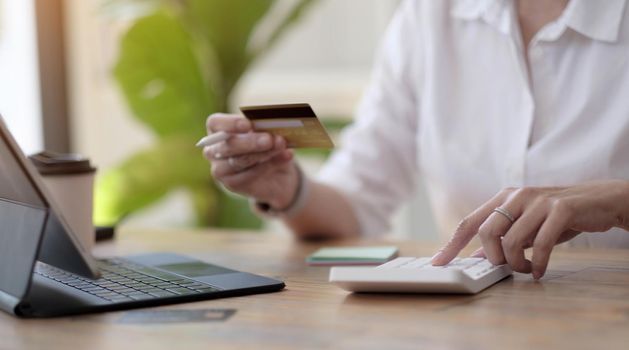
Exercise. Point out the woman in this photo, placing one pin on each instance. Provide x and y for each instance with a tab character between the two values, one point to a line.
474	96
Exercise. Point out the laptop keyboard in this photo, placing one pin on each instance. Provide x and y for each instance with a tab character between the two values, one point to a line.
122	280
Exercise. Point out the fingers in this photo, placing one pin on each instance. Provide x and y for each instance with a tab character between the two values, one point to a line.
504	241
478	253
243	181
531	217
243	144
490	233
233	165
520	236
546	239
467	229
566	236
233	162
231	123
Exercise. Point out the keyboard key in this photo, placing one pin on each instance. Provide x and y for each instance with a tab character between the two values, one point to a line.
134	284
118	287
100	282
69	280
122	281
145	287
178	281
196	285
162	276
162	293
151	280
104	293
416	264
480	269
107	295
117	279
395	263
187	282
465	262
141	297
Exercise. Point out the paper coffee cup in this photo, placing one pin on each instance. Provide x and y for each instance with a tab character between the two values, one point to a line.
70	180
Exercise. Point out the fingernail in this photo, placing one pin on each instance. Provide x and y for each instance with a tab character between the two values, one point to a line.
287	154
242	125
478	254
279	141
436	256
537	275
264	141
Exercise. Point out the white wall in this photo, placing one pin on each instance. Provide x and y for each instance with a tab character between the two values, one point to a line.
325	60
19	73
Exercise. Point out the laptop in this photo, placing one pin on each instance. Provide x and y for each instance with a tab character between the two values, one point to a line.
45	271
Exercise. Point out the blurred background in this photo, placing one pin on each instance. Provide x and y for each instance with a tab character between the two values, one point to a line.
129	84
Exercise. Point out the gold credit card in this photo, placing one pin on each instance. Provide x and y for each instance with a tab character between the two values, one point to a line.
297	123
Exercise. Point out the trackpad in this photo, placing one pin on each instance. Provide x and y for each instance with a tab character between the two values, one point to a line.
194	269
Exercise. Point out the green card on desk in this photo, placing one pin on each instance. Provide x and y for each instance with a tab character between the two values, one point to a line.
352	256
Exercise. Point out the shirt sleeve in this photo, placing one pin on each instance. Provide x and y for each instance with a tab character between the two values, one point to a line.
376	165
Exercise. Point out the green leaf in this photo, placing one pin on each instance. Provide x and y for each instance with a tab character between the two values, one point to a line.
227	26
177	65
205	203
160	77
335	123
291	18
234	212
149	175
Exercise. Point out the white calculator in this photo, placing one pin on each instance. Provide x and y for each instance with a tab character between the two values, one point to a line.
417	275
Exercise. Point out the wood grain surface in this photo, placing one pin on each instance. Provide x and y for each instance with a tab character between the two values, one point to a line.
582	303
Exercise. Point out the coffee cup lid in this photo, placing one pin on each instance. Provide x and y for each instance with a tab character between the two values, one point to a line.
53	163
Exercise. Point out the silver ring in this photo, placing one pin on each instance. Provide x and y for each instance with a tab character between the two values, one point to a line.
237	165
232	162
505	213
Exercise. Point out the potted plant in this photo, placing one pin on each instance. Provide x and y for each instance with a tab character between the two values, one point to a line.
179	63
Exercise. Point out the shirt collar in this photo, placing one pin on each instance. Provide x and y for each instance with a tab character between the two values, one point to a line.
494	12
599	20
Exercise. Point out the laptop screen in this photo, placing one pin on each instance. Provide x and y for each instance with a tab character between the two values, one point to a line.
23	215
15	185
28	221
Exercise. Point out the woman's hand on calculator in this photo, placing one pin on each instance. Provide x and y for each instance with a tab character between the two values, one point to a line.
539	217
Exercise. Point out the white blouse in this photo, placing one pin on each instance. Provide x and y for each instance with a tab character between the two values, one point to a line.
451	102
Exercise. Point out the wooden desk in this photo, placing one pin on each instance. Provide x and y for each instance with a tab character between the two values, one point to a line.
582	303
